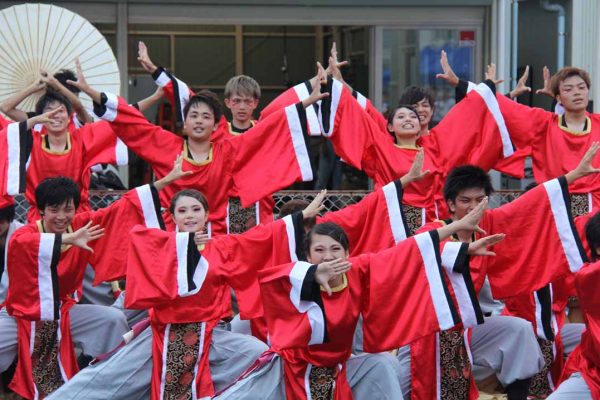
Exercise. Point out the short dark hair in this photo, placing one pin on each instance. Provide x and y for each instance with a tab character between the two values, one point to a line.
193	193
295	205
330	229
592	234
210	99
414	94
292	206
52	96
466	177
390	118
7	213
57	191
65	75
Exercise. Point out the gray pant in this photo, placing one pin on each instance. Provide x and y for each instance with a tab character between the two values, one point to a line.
133	316
573	388
94	329
371	376
127	374
571	336
505	346
101	295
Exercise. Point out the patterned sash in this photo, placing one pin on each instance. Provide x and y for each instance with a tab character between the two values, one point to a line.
580	204
181	360
47	376
455	367
241	219
414	217
540	384
322	383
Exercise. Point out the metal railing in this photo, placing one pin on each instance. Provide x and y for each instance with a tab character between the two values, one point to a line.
334	201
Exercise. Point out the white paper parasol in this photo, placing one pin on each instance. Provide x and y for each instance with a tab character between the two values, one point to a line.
41	36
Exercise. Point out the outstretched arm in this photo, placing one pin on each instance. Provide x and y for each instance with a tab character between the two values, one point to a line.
9	106
78	107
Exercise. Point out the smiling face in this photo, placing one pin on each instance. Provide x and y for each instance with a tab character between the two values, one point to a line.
60	120
199	122
57	218
404	123
189	214
325	248
425	112
573	94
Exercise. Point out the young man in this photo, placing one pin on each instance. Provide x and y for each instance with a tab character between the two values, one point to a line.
540	222
242	95
567	135
46	262
55	149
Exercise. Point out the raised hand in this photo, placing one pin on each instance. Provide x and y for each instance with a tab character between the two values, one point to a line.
330	269
547	89
480	247
521	85
490	73
37	85
201	238
585	166
315	206
144	58
316	94
334	66
470	222
176	173
83	236
44	118
448	74
415	173
81	83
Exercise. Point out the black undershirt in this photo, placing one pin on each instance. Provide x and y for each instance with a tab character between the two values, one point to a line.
563	123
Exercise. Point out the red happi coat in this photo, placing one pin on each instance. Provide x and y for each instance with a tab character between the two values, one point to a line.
586	357
181	284
513	165
178	93
258	163
310	329
544	217
544	133
373	224
359	140
546	308
45	275
29	160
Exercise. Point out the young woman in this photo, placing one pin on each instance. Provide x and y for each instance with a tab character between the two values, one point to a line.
183	278
360	141
312	309
46	262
